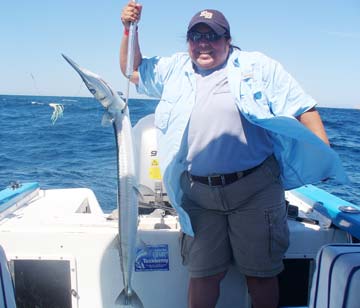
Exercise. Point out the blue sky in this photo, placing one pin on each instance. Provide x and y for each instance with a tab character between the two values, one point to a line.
317	41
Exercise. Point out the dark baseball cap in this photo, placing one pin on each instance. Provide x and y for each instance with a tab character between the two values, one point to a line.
213	18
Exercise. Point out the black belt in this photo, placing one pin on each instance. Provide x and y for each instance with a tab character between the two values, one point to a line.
222	179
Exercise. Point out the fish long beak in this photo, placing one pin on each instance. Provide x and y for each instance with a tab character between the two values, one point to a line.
97	86
85	75
72	63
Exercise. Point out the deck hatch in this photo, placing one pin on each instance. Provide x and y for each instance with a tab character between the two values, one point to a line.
44	283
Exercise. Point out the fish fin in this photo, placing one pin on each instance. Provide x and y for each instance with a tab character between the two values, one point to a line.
129	299
106	120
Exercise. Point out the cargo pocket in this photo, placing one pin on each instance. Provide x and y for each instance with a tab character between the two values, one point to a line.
185	243
278	232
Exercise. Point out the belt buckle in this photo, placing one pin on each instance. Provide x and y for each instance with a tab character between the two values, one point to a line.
210	182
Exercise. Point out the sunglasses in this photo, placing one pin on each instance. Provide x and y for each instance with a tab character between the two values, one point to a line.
197	36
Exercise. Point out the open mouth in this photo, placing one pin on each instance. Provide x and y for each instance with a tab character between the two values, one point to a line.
204	55
204	52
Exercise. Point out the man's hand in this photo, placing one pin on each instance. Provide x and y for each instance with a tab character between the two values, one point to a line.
131	13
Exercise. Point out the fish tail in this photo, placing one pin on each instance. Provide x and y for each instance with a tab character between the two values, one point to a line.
129	298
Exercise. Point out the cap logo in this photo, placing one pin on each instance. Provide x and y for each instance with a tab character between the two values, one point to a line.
206	14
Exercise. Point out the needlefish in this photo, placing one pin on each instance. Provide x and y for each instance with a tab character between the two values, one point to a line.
117	113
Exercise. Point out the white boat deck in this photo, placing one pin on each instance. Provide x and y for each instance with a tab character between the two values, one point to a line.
68	225
57	208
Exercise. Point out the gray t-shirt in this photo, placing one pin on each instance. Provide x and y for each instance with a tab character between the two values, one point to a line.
220	139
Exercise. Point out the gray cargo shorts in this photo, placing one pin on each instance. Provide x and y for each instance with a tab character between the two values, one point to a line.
243	223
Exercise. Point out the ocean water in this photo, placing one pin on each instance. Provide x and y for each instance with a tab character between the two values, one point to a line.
77	151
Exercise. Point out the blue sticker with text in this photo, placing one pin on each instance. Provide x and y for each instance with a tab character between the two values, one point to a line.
152	258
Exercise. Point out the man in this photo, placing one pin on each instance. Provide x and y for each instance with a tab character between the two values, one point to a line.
232	127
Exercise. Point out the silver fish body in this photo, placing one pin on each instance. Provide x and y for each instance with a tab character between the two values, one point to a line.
127	197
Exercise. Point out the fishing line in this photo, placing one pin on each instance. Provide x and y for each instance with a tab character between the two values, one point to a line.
35	84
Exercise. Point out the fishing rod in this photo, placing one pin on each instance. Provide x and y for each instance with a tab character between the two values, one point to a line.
130	57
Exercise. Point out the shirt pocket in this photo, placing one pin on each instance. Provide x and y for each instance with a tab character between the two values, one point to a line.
162	115
254	98
253	90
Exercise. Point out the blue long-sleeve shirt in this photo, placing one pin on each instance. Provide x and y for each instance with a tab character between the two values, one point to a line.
263	92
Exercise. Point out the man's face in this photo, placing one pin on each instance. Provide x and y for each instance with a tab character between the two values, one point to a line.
205	53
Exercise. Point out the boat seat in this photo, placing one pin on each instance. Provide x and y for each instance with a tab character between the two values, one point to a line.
7	295
336	281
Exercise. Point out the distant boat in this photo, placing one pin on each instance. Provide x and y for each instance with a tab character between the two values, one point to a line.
69	100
